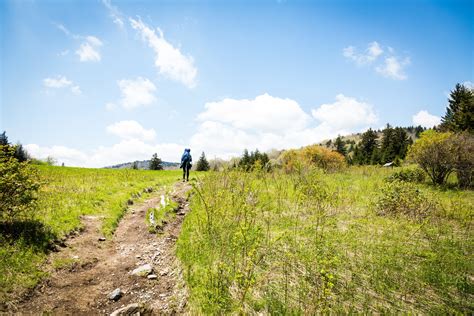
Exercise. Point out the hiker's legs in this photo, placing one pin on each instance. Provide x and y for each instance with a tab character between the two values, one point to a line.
187	173
184	173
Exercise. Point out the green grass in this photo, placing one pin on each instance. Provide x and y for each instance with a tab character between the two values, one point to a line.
314	242
65	195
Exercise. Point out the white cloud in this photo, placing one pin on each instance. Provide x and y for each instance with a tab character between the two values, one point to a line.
229	126
426	119
345	114
393	68
372	52
70	156
264	112
89	50
60	82
131	130
136	93
169	60
115	14
125	151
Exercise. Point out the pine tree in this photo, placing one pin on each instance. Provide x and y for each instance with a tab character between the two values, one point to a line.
244	162
156	163
340	146
460	111
4	139
20	153
367	147
135	165
202	164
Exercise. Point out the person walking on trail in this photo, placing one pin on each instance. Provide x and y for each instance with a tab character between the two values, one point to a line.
186	160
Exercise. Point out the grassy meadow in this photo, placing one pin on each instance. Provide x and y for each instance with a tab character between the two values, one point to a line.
310	242
65	195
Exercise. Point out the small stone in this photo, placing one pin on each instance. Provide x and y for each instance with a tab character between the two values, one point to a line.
152	276
143	270
164	272
115	295
101	238
75	257
137	256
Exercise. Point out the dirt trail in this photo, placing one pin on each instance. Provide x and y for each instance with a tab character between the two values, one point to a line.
93	269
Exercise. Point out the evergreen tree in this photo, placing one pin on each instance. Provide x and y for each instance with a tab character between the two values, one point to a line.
4	139
202	164
135	165
156	163
244	162
367	147
340	146
460	111
20	153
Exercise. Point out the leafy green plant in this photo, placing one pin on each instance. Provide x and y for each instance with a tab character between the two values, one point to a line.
408	175
18	188
403	198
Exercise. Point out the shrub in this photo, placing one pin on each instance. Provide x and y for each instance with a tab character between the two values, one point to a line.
434	154
407	175
403	198
18	187
312	156
463	156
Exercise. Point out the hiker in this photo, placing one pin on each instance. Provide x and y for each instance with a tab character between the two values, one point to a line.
186	160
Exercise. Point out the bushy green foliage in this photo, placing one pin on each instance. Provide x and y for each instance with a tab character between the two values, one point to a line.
433	152
463	158
18	187
312	156
403	198
408	175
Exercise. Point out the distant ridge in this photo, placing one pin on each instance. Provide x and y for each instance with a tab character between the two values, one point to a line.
144	164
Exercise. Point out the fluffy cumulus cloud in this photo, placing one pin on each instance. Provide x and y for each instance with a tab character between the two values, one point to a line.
61	82
385	62
168	59
227	127
131	130
89	49
425	119
135	93
345	114
263	113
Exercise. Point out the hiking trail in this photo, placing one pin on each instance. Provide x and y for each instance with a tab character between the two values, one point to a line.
92	269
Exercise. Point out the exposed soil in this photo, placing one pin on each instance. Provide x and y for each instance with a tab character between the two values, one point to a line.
84	273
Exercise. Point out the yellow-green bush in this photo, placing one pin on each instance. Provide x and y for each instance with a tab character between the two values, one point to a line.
312	156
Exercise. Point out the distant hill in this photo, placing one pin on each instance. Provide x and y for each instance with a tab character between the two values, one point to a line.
144	164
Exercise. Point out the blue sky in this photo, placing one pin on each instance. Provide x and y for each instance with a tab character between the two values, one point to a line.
93	83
